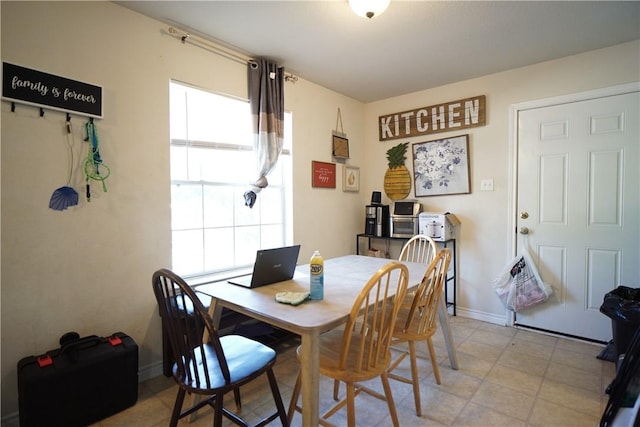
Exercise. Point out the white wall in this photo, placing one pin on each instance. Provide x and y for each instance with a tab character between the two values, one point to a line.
88	269
483	242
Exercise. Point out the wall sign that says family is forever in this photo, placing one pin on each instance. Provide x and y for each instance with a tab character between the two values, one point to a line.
32	87
448	116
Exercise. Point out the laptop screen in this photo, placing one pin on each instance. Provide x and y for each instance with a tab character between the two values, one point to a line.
271	266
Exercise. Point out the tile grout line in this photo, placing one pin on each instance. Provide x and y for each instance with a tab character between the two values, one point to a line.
483	379
544	377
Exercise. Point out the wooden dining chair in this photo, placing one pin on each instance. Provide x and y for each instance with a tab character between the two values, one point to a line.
420	248
213	367
417	321
361	352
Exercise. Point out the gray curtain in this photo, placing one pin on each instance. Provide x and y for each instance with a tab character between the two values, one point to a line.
266	98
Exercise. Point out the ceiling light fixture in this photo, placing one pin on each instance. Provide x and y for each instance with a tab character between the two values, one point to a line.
369	8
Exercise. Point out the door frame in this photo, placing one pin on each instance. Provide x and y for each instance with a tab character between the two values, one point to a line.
512	183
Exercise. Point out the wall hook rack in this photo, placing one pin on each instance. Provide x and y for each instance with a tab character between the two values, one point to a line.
51	91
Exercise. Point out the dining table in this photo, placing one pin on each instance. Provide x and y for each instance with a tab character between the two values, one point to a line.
344	278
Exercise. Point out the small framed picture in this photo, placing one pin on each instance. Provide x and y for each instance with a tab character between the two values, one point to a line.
350	178
340	147
323	174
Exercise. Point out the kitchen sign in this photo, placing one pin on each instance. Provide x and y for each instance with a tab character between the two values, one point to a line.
32	87
450	116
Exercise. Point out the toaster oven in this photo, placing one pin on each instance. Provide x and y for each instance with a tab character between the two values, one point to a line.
404	218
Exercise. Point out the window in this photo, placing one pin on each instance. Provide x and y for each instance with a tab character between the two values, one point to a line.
212	164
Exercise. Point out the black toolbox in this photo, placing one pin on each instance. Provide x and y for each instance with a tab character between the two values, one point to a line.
85	380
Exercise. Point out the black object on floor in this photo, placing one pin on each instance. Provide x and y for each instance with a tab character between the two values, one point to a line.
85	380
608	353
622	306
624	389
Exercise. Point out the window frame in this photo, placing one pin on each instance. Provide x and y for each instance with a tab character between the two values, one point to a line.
284	184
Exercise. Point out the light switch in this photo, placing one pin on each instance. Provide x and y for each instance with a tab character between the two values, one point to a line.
486	185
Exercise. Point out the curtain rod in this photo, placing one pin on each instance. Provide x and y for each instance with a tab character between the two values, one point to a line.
202	43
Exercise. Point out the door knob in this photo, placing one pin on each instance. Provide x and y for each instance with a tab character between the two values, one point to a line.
524	230
524	215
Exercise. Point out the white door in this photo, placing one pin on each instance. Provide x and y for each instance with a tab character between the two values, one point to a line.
578	195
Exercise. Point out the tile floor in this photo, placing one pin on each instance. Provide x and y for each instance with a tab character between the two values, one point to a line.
506	377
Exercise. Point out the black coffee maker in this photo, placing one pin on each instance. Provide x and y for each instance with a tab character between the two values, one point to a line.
376	217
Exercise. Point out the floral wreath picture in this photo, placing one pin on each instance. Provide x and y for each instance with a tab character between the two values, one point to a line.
441	166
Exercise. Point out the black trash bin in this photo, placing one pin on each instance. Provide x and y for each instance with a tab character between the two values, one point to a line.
622	306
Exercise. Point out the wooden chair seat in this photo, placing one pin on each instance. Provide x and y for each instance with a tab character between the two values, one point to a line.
404	330
330	351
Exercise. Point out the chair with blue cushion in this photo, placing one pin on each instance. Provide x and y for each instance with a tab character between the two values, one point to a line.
212	367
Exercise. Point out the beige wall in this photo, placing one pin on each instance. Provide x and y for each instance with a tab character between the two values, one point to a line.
88	269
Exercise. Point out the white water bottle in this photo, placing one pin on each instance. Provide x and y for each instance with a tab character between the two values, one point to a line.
316	267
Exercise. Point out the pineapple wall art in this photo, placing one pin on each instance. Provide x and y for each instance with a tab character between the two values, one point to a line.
441	166
397	179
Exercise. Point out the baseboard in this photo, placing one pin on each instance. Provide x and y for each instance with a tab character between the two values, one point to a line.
11	419
151	371
482	316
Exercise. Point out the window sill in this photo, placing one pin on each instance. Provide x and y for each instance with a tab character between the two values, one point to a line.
217	277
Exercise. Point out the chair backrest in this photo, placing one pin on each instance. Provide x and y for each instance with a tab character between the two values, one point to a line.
420	248
424	307
185	319
368	333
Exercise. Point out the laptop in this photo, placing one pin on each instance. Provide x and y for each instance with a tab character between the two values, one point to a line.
271	266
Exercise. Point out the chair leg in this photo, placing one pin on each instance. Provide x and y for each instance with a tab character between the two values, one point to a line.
351	407
434	361
193	401
294	399
236	397
415	378
389	396
218	409
277	398
177	407
336	389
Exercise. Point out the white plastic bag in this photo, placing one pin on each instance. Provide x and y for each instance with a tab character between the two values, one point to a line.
519	286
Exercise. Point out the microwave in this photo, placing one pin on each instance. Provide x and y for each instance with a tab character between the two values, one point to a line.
404	218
